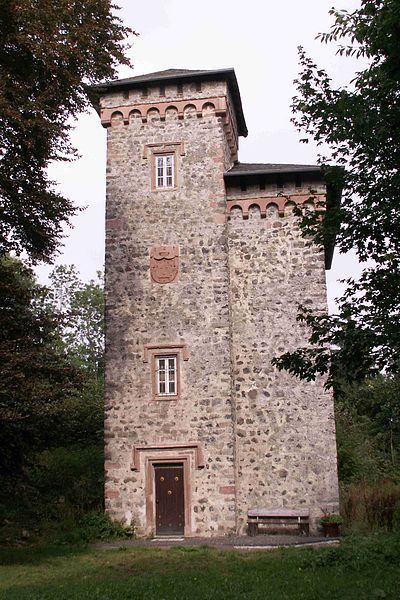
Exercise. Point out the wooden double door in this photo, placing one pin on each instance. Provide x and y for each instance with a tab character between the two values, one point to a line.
170	501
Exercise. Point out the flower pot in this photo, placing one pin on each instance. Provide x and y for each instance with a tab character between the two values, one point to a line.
330	529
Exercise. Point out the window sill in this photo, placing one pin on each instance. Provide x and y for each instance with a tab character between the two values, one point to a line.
165	398
164	189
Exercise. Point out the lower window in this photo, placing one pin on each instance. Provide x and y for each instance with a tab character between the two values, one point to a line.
166	376
165	358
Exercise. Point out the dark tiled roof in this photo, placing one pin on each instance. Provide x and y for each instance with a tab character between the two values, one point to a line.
156	76
269	169
182	75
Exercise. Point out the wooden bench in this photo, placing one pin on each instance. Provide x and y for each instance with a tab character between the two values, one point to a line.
278	516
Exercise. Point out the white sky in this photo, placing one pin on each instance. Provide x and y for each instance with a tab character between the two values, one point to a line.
259	39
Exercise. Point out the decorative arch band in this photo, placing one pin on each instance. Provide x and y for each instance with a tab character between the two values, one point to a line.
174	109
282	205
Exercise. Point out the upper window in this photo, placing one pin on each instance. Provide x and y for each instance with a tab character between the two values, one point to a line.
164	164
166	375
164	175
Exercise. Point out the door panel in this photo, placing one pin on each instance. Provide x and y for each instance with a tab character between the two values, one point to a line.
170	505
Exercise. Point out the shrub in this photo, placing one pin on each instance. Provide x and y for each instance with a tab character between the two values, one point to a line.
369	506
331	518
95	526
57	488
69	481
356	553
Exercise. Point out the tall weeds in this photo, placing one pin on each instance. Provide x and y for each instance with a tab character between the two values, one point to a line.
370	506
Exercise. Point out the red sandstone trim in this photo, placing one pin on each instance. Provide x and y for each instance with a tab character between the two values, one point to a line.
156	350
168	148
150	490
120	115
182	346
113	224
219	102
109	466
227	489
110	494
198	453
281	202
162	150
165	397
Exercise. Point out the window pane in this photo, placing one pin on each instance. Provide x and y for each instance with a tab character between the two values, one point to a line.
171	363
169	172
161	363
172	387
160	171
162	388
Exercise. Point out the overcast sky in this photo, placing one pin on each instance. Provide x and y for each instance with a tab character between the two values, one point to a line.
259	39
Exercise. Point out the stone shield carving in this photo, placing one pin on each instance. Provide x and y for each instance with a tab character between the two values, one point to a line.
164	264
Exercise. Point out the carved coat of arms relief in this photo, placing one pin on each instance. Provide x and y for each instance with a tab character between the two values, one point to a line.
164	264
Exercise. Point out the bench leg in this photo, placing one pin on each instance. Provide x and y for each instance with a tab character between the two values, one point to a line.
304	528
252	528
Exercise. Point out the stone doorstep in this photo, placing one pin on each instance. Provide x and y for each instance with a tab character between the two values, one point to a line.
168	539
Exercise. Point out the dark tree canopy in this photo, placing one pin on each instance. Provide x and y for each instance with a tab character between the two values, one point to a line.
50	50
360	124
51	355
368	430
36	375
80	307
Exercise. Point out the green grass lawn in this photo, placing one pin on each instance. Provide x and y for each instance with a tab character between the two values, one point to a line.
360	568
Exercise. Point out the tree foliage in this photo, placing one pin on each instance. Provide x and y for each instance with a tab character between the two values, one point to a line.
51	352
368	430
49	51
360	124
36	376
80	308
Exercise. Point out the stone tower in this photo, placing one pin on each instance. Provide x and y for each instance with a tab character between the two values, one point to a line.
205	268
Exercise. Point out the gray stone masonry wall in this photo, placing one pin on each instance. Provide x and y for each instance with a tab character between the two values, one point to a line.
285	448
195	309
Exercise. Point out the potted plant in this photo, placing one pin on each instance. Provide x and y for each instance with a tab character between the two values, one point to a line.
330	524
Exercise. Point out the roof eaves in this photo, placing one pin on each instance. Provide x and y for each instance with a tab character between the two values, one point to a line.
168	74
272	171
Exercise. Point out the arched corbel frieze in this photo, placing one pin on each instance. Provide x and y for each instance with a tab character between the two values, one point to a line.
153	112
282	205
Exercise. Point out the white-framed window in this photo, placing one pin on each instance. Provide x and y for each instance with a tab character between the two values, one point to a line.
164	176
166	359
166	375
